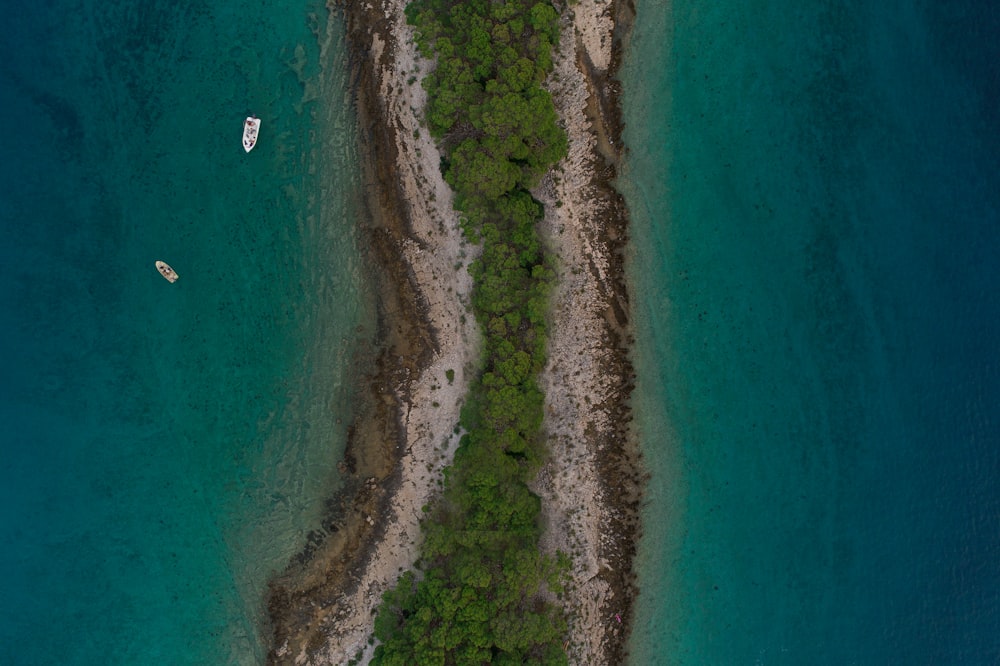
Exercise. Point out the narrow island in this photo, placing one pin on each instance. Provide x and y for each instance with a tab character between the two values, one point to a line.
493	484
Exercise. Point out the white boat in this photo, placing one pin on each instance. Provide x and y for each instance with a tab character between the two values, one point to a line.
250	129
166	271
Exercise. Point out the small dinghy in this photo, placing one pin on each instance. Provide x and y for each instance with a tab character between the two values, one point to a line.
166	271
250	129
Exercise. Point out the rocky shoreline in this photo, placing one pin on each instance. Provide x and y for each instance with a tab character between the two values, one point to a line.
321	608
592	488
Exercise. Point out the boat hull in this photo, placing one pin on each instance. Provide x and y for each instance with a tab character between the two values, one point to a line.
166	271
251	127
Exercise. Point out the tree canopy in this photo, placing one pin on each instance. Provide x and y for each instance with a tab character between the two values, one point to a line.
480	592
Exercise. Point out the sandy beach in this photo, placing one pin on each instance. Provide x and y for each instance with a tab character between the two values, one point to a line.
322	608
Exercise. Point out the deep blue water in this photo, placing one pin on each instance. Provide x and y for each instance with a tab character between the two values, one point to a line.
815	191
166	447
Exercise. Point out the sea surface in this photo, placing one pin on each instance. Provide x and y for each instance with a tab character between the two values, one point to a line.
815	195
166	447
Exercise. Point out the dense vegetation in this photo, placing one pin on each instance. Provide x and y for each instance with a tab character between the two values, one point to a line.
478	596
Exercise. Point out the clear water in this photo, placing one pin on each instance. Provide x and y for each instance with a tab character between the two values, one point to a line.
815	192
166	447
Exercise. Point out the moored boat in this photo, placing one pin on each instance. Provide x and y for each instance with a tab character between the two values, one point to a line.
250	129
166	271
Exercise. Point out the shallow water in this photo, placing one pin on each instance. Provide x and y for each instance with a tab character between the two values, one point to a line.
816	196
167	447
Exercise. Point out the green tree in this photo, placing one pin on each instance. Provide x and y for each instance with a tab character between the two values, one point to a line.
478	596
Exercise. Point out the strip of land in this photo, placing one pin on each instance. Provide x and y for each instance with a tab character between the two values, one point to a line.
322	608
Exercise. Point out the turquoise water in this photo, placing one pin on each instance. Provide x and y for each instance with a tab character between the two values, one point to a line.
166	447
815	193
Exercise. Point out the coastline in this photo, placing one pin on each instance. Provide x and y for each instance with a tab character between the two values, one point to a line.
592	487
321	609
